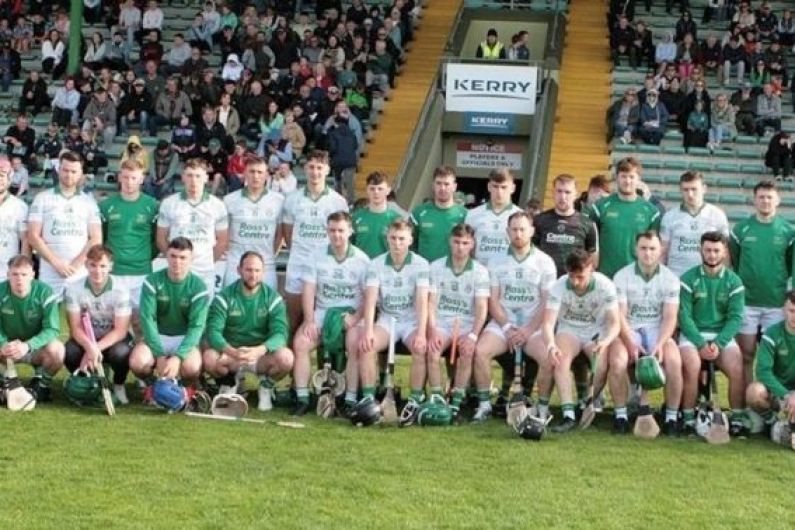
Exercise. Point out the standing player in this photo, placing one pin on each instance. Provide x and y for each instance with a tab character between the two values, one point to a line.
13	220
681	228
561	229
128	222
620	217
174	304
29	325
254	222
711	304
197	215
370	223
333	280
62	225
648	303
433	220
247	329
459	289
304	227
396	287
520	282
581	316
490	220
774	388
761	250
108	304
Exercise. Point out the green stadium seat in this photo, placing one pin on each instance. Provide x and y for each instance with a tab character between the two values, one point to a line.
733	198
673	134
711	196
674	195
746	153
644	148
752	168
652	163
698	151
655	179
674	150
711	180
787	200
730	182
680	165
699	165
725	167
621	147
723	153
737	215
742	139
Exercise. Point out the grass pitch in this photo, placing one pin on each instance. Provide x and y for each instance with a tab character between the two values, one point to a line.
76	468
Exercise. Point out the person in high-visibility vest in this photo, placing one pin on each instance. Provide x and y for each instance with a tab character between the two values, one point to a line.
491	48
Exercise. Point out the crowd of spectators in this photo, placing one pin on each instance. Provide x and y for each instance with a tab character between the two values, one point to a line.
676	90
287	81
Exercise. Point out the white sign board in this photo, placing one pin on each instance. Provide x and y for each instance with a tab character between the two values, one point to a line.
482	155
491	88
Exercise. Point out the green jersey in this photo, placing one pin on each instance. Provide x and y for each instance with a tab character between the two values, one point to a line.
369	229
239	319
760	254
129	231
619	221
432	227
774	365
173	308
33	319
710	304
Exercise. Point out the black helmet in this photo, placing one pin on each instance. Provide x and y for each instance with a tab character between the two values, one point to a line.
366	412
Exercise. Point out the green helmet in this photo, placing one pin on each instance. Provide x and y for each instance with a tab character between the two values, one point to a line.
648	373
435	412
82	388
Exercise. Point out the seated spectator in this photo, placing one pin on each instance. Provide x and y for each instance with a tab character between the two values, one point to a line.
642	50
117	56
768	110
229	43
343	150
228	116
687	54
759	76
199	34
622	39
697	127
183	139
100	117
786	28
129	20
696	77
212	18
698	94
722	122
232	70
236	167
49	148
649	82
137	107
171	104
774	58
208	129
675	100
334	53
195	64
151	21
96	52
164	168
712	56
379	68
665	54
20	139
34	94
64	104
744	104
217	162
22	35
52	54
73	141
136	151
733	56
19	178
282	178
356	99
779	155
717	9
94	158
151	52
766	21
271	123
10	65
293	134
653	117
685	25
178	54
623	117
744	19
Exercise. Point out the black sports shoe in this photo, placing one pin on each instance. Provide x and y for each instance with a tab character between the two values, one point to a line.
500	407
568	424
43	394
738	430
300	409
620	426
689	429
671	428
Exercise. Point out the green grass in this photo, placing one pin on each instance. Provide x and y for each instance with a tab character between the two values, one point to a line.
76	468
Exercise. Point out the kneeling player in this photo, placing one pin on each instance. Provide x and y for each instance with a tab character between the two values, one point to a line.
108	305
459	290
520	282
29	325
711	304
648	302
247	329
333	283
774	388
174	304
583	305
397	285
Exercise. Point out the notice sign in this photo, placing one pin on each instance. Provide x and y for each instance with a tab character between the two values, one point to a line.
482	155
491	88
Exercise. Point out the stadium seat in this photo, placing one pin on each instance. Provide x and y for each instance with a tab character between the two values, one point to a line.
730	182
680	165
645	148
674	150
698	151
733	198
698	165
742	139
725	167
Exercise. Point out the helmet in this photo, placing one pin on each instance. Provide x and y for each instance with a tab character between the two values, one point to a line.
434	412
366	412
531	427
408	416
169	394
781	433
83	388
233	405
704	420
648	373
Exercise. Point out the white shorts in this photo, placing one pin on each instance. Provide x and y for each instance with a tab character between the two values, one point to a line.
132	284
756	317
231	276
645	338
57	282
171	343
585	335
403	327
445	327
496	330
684	343
293	284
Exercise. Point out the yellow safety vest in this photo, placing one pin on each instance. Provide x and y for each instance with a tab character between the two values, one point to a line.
491	53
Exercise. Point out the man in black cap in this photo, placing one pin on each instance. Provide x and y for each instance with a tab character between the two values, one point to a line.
491	48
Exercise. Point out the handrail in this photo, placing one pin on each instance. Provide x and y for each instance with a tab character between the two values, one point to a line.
422	122
448	46
540	140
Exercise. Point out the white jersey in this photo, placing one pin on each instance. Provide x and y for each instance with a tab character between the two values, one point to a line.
397	288
644	297
337	283
309	219
113	301
65	224
252	225
196	221
586	311
456	293
491	237
682	232
522	283
13	226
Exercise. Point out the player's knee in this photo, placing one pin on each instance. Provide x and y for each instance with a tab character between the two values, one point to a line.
54	353
283	360
757	396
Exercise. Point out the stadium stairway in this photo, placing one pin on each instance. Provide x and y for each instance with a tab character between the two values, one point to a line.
578	143
401	112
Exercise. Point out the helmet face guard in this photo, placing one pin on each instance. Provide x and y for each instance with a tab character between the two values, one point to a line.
531	427
83	388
